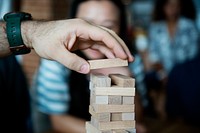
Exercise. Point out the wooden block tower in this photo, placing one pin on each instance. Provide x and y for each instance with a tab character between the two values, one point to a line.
111	104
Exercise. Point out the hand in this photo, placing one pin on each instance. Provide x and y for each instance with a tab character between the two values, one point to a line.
56	40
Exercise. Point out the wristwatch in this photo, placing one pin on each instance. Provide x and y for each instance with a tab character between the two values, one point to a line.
13	31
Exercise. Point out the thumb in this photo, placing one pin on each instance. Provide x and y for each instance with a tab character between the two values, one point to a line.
72	61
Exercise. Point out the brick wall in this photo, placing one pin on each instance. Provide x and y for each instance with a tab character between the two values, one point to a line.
45	10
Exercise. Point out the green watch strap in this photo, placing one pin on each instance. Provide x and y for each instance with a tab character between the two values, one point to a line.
13	30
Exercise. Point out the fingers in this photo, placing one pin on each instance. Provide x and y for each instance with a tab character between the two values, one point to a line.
125	48
71	60
104	50
87	31
112	41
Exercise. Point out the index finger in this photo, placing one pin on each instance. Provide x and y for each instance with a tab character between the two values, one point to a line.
110	39
124	46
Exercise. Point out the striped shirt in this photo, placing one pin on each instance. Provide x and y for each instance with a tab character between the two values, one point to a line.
52	88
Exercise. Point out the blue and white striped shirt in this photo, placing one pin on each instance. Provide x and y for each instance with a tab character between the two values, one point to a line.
52	88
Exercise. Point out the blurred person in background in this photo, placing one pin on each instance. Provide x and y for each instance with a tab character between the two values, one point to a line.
173	39
197	5
183	96
61	95
173	35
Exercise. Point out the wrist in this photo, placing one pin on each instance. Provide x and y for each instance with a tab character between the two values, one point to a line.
27	30
4	35
4	45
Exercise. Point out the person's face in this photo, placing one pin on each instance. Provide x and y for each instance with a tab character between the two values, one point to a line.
172	9
103	13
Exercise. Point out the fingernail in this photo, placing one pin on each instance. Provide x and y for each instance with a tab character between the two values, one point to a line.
84	68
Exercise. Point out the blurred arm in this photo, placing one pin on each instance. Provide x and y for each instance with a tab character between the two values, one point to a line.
67	124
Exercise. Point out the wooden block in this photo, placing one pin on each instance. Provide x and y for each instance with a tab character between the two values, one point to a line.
95	122
131	130
101	100
112	108
122	80
106	63
116	117
91	129
100	80
94	99
91	85
115	91
125	131
120	131
115	125
128	116
115	100
102	117
127	100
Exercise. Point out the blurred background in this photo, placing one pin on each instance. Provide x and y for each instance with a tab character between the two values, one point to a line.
155	81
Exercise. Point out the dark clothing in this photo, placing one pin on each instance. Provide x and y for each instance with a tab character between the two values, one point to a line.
14	97
80	94
183	92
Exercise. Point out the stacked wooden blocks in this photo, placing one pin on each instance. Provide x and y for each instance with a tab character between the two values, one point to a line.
111	106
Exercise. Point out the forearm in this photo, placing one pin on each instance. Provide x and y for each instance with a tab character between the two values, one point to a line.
4	46
67	124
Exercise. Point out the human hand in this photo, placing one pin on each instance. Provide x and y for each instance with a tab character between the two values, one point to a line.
56	40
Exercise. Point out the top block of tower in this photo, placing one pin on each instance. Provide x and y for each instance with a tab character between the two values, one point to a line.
106	63
100	80
122	81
